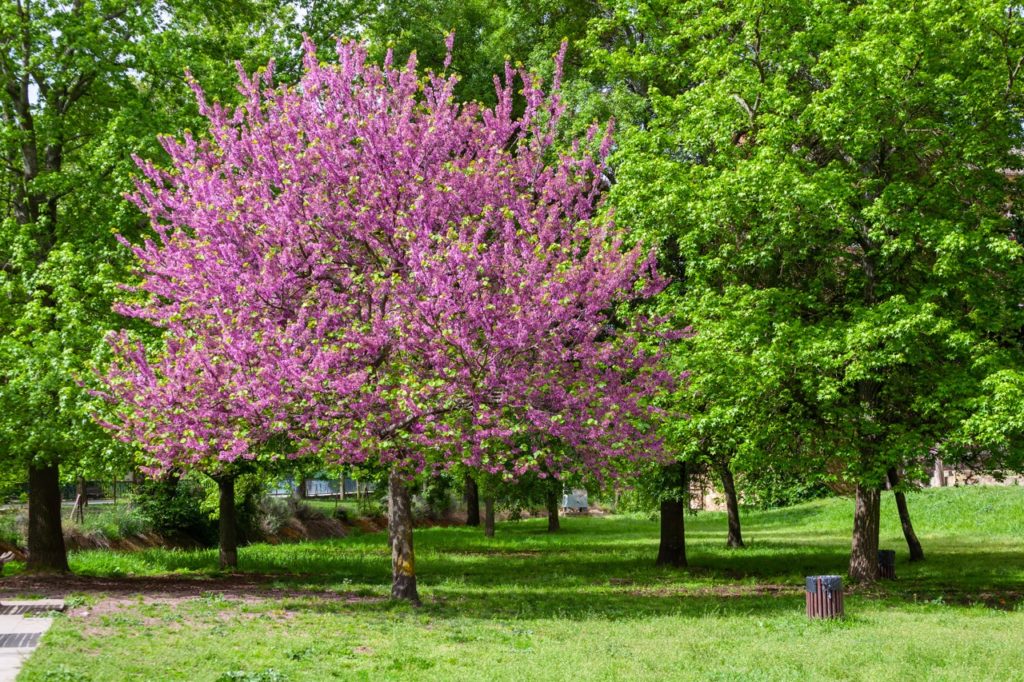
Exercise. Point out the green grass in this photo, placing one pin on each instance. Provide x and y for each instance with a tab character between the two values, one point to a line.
584	604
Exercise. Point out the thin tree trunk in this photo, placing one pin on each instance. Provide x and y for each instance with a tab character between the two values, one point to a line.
489	517
732	506
83	491
672	549
228	522
472	502
913	544
304	488
864	549
46	551
403	564
551	501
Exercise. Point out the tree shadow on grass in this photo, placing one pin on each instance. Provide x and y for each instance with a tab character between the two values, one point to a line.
604	570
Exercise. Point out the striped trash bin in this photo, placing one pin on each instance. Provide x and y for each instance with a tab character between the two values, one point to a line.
887	564
824	596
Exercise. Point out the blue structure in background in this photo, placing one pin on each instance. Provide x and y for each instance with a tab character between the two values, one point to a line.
320	487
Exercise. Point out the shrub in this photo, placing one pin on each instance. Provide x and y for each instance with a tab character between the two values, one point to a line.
274	513
11	528
172	506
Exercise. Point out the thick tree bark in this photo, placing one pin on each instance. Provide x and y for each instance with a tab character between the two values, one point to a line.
913	544
489	517
46	551
472	502
732	506
864	549
403	563
551	502
228	522
672	549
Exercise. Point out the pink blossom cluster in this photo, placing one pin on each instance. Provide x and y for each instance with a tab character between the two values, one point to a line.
358	266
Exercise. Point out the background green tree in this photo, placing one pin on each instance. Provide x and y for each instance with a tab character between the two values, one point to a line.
828	182
82	85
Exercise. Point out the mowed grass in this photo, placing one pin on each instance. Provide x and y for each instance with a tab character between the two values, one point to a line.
586	603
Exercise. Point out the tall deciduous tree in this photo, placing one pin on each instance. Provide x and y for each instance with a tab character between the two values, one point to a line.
833	180
81	84
363	266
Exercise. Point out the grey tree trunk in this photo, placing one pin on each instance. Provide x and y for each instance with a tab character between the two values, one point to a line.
489	517
551	502
472	501
46	550
732	506
864	549
913	544
672	548
403	562
228	525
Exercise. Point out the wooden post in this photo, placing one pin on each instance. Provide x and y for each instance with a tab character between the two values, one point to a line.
78	510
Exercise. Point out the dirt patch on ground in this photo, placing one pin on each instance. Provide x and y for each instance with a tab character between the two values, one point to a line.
309	526
76	539
244	587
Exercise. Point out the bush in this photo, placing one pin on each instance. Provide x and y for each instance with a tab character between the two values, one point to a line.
767	488
116	521
274	513
12	528
172	506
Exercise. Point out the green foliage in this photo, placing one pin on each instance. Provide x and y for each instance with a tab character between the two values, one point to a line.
767	488
435	499
173	507
12	528
116	521
486	33
827	184
83	86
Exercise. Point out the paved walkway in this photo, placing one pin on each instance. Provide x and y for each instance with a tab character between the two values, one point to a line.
20	630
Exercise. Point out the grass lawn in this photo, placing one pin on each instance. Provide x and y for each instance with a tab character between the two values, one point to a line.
585	604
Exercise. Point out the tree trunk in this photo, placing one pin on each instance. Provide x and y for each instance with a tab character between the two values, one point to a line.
46	551
489	517
472	502
913	544
864	550
672	550
403	564
228	522
304	488
732	506
551	501
82	490
940	474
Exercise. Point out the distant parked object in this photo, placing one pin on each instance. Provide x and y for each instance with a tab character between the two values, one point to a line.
575	500
320	487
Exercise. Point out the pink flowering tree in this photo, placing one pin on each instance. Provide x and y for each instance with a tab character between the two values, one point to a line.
365	268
